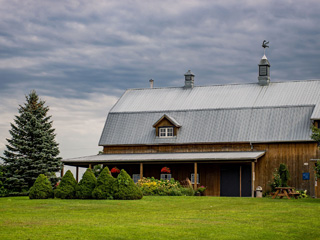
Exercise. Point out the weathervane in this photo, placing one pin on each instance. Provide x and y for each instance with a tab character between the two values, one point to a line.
265	45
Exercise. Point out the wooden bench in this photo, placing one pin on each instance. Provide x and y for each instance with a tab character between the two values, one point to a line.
294	194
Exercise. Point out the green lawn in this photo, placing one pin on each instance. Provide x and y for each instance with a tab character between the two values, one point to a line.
160	218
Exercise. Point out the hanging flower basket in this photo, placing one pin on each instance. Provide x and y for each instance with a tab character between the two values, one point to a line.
115	170
165	170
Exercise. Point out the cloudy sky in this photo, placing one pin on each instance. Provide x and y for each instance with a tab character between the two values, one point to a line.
80	56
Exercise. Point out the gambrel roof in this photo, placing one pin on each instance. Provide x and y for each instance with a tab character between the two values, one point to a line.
278	112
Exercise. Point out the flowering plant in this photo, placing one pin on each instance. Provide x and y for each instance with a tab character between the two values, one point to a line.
165	170
115	170
201	189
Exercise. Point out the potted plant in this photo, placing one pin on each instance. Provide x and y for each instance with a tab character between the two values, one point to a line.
200	191
115	170
165	170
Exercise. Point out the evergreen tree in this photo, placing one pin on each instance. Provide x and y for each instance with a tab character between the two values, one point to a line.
41	188
32	149
104	187
86	185
125	188
67	187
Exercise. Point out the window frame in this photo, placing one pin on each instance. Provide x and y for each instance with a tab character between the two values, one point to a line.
192	178
167	130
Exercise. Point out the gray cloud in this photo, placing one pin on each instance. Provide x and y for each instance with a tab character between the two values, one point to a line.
93	50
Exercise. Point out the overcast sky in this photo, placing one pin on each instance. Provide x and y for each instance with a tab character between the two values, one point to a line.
80	56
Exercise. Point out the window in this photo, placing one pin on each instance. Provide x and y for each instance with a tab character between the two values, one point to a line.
165	177
135	177
192	178
165	132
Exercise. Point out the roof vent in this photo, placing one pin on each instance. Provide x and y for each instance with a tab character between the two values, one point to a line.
264	67
189	79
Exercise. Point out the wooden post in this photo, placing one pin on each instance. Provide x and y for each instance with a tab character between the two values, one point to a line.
252	178
141	170
77	174
90	166
240	181
62	169
195	176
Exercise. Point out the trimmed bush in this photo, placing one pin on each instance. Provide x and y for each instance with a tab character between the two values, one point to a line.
104	187
67	187
41	188
125	188
86	185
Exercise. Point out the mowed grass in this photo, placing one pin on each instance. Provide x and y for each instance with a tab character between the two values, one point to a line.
160	218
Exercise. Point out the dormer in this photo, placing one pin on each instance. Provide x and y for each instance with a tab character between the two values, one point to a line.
166	127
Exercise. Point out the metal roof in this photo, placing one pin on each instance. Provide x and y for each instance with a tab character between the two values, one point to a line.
174	157
295	93
258	124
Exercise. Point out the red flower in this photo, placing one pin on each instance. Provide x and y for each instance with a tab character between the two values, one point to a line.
115	170
165	170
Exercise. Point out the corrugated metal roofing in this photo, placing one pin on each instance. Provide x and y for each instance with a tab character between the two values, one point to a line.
258	124
295	93
154	157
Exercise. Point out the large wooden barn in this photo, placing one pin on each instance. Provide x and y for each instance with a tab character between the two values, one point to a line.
229	138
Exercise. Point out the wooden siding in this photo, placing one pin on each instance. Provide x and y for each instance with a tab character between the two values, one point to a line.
295	155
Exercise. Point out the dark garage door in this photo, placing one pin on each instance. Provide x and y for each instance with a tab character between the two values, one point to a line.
230	181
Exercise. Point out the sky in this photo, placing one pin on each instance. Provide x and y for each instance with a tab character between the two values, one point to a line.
80	56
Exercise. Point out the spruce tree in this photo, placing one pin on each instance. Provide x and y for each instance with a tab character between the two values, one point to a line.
32	149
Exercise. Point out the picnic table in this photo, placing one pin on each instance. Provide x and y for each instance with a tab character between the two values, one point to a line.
285	192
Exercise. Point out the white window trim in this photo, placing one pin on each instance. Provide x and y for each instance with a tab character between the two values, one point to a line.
135	177
192	178
165	176
166	132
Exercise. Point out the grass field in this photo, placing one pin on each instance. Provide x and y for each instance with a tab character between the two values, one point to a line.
160	218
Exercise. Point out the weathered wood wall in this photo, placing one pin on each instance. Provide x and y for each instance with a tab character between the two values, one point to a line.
295	155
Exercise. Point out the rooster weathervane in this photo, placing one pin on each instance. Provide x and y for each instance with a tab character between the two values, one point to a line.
265	45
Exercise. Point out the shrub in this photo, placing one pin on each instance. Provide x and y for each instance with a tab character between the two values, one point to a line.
86	185
3	190
276	180
104	187
284	175
67	187
152	186
41	188
125	188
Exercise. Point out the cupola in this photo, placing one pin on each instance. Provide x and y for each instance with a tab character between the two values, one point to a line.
189	79
264	68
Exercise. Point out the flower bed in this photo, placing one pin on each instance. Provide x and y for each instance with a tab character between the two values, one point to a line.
152	187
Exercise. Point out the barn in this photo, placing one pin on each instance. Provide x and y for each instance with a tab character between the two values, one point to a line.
229	138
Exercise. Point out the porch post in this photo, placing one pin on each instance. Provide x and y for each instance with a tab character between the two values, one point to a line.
77	174
141	170
240	181
195	176
62	169
90	166
252	178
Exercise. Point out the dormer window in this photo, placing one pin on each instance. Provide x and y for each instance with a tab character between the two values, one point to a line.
165	132
166	127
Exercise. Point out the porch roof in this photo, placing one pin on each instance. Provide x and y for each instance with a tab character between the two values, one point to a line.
165	157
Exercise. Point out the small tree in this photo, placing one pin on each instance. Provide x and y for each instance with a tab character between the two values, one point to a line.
316	136
284	175
67	187
125	188
32	149
3	190
104	187
41	188
86	185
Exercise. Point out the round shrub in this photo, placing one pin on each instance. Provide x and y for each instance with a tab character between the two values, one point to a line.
125	188
86	185
67	187
104	187
41	188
